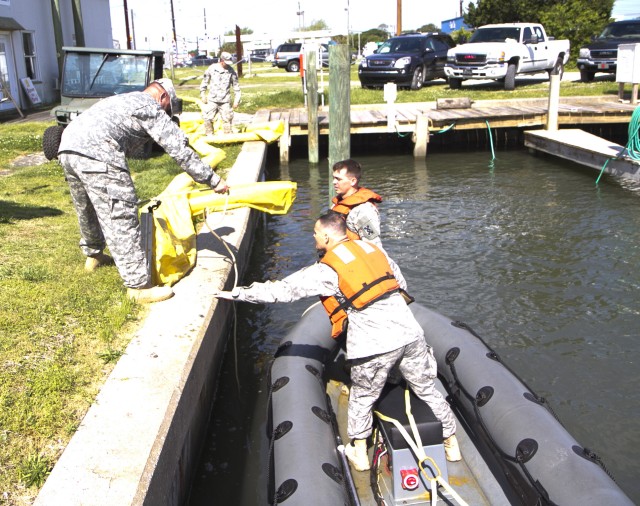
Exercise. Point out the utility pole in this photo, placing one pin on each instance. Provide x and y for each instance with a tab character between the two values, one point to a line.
173	24
399	18
133	32
126	24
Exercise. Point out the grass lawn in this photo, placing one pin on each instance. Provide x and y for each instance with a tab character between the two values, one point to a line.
61	329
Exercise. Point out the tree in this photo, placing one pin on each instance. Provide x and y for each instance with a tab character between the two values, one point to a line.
373	35
429	27
316	24
243	31
576	20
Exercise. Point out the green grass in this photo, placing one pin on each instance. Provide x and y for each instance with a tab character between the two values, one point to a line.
61	329
270	87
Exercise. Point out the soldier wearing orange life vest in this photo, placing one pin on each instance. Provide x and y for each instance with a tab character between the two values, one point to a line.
382	330
358	205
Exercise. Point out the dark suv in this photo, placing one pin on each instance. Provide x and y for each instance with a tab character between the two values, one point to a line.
601	54
407	60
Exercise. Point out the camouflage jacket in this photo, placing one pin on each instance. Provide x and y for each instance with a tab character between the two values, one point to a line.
219	81
116	126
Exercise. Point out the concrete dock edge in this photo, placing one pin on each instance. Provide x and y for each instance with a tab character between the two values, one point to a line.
139	441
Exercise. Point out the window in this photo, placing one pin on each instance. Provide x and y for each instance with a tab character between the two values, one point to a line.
29	54
5	2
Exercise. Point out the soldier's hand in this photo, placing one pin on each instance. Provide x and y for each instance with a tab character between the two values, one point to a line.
221	187
203	99
232	295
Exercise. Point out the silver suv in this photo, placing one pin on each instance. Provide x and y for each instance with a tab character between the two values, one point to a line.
288	56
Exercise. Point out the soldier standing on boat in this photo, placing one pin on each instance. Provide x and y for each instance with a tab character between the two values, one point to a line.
92	152
357	204
215	93
381	330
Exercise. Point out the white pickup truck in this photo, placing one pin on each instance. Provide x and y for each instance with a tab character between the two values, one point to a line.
501	52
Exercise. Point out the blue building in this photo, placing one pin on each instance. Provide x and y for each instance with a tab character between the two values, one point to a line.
451	25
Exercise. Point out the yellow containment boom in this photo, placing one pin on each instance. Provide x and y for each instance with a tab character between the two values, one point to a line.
173	211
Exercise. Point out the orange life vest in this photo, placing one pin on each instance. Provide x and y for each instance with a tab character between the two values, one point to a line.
343	206
364	276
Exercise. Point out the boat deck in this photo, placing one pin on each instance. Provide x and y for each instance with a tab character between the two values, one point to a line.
462	475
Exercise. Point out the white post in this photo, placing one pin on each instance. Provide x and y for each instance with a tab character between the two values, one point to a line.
390	95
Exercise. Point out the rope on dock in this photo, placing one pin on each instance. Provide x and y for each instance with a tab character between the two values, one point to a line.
633	144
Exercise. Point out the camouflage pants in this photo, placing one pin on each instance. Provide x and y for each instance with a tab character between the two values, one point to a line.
368	376
225	110
107	207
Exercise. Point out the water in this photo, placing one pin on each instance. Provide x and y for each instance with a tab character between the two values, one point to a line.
536	259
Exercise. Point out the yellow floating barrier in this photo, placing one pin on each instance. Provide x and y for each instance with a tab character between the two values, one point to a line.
173	211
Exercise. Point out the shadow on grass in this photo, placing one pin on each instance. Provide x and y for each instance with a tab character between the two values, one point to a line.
10	212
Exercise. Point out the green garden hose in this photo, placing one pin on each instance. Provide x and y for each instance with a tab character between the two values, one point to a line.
632	148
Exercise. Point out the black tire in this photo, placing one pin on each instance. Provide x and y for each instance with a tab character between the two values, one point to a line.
586	76
143	152
455	83
417	80
557	68
293	66
510	78
51	141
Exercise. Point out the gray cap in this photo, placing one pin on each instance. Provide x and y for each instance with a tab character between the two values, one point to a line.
167	84
226	57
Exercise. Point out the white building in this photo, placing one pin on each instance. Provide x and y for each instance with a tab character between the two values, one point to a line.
31	35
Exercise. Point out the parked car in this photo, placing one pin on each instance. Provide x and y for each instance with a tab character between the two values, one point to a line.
202	60
287	56
601	54
260	55
408	60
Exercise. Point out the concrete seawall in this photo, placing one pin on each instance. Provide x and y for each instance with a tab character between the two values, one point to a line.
139	441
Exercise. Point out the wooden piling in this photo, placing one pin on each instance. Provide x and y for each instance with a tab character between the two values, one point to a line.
421	136
339	106
554	101
312	106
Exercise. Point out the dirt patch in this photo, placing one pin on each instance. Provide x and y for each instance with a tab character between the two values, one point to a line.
29	160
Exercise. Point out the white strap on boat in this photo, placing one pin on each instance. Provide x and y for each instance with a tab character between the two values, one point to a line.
418	450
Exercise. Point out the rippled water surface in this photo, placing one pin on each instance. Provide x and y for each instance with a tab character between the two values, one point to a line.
541	263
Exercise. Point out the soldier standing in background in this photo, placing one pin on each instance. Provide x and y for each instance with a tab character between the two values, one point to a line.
215	93
92	153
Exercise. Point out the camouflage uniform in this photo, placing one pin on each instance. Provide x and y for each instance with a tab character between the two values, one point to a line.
215	91
92	153
378	336
364	220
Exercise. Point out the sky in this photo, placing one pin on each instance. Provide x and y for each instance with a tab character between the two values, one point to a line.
274	17
200	17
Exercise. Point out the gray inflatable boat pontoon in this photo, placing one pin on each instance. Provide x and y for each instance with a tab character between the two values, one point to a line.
514	449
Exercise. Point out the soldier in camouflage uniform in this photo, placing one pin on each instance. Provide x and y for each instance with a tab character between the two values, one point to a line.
92	152
215	93
379	335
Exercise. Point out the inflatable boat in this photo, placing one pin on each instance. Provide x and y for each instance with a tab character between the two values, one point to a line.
514	449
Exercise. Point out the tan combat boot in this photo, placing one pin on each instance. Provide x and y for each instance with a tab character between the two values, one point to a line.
356	452
96	261
452	449
148	295
208	127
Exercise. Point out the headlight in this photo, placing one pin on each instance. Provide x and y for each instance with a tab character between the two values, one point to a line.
363	63
495	57
403	62
585	53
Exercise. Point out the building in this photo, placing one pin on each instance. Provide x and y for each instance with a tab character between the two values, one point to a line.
32	33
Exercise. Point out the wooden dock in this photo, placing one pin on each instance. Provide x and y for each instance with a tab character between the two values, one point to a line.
586	149
422	117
